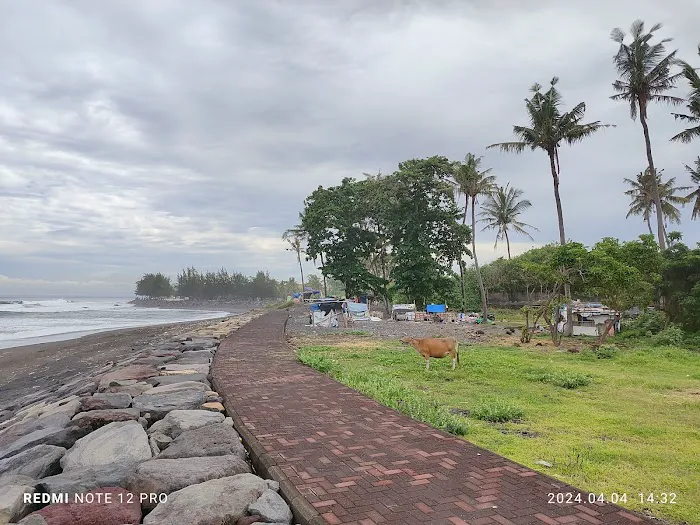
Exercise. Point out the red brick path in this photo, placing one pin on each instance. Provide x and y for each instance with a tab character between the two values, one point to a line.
342	458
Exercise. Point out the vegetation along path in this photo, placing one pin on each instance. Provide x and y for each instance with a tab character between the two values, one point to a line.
342	458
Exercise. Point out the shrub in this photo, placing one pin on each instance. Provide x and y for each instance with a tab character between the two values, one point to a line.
561	378
497	412
671	336
606	351
650	321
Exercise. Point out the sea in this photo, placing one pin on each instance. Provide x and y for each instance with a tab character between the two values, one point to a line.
27	321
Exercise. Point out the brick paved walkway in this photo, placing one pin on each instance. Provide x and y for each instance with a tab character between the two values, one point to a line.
342	458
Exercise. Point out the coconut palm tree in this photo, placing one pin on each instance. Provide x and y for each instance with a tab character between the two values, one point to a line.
549	127
642	202
645	75
695	177
693	106
501	211
296	237
472	183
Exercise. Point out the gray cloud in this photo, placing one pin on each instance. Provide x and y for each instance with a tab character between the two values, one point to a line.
150	136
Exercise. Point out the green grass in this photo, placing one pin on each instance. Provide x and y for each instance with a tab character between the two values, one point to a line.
628	423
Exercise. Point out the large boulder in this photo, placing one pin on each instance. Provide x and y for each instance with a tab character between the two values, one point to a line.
129	386
85	479
179	421
210	440
271	507
12	505
119	442
131	372
163	476
201	357
159	404
215	502
168	380
95	419
121	508
36	462
172	369
174	387
37	437
105	401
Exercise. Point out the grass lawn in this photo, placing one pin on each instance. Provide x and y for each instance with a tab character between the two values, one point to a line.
629	423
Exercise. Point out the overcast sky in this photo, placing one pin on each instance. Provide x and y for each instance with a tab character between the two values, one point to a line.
152	135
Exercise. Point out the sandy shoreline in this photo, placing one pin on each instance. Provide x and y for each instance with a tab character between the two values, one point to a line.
34	372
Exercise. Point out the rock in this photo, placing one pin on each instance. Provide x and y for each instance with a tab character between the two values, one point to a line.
161	440
249	520
105	401
12	506
131	372
155	450
168	380
122	508
129	386
228	421
36	462
168	475
272	485
271	507
215	407
155	360
213	502
543	463
95	419
176	422
194	358
119	442
143	422
37	437
210	440
183	385
84	479
158	405
174	369
63	407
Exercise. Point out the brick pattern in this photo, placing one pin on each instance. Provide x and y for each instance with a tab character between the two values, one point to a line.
357	462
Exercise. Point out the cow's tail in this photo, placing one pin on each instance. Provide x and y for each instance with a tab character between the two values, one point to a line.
457	350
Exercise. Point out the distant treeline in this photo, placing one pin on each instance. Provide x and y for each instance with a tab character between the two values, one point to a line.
221	284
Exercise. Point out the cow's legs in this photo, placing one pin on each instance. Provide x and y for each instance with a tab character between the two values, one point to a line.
427	363
454	362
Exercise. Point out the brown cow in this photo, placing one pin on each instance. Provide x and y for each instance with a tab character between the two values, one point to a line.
435	347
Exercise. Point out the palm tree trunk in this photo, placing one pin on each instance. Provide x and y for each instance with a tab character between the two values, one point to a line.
654	186
301	269
651	232
507	242
569	327
461	281
325	287
484	307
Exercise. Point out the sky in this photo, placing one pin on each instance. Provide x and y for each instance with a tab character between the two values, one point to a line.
150	136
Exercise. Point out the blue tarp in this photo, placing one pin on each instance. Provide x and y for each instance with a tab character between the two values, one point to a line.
436	308
357	307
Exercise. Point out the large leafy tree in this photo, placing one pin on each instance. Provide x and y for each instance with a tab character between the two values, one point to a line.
642	201
695	194
473	182
425	235
692	116
154	285
645	72
549	128
501	212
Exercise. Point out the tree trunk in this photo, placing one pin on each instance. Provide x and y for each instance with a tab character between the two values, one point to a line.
461	280
484	308
606	331
325	287
569	328
301	269
654	186
507	243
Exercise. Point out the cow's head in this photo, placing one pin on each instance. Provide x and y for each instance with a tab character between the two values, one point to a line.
407	340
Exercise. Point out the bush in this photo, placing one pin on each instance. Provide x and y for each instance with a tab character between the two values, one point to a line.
607	351
671	336
497	412
651	322
561	378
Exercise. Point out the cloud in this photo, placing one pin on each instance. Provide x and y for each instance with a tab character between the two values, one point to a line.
151	136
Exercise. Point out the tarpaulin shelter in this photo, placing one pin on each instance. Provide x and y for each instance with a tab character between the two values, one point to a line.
436	308
358	311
